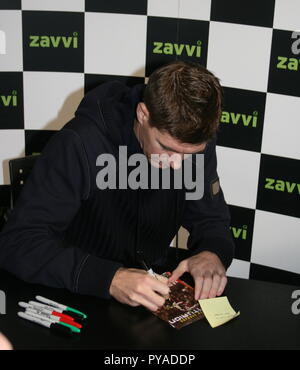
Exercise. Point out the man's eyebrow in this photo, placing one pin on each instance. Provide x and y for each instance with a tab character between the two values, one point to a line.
167	147
175	151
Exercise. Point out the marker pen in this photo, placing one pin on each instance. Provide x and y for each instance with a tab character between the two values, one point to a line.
75	316
41	305
44	318
152	273
52	317
59	305
148	269
55	327
46	311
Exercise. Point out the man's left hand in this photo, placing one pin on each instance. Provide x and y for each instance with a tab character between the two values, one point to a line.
208	272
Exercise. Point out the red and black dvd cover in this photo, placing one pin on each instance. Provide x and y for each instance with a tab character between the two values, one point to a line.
180	308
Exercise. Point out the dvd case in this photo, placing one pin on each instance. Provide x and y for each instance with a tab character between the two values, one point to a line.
180	308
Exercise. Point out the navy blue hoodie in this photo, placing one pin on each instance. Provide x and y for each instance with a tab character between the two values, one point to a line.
65	232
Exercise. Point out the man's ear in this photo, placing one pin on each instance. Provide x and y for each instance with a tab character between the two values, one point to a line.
142	113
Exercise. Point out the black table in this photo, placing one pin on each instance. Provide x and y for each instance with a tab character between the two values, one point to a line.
266	321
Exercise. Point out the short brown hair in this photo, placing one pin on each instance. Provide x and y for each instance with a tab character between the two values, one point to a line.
185	100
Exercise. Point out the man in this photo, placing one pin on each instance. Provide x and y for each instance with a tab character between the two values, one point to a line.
66	231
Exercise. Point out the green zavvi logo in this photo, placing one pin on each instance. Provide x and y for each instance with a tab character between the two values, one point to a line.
169	48
282	185
291	64
37	41
9	100
239	232
240	119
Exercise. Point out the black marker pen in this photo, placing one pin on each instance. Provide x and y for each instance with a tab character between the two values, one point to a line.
148	269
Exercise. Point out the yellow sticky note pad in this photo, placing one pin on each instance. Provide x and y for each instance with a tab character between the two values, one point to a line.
217	310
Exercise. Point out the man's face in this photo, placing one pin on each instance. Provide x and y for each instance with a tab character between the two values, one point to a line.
153	141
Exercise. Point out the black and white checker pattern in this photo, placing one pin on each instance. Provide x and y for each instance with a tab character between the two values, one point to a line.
53	51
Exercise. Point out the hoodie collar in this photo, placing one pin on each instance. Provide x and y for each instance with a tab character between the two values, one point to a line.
112	107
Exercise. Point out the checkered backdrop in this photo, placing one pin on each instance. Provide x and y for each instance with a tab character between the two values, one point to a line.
53	51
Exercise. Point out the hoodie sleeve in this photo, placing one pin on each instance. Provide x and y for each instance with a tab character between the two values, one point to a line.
31	242
208	218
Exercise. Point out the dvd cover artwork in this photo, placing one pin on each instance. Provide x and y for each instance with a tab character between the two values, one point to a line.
180	308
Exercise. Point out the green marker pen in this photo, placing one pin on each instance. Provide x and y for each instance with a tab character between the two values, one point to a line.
61	306
74	330
48	319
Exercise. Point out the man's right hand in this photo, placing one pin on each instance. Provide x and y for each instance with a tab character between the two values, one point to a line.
136	287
